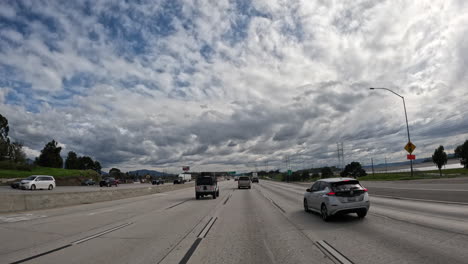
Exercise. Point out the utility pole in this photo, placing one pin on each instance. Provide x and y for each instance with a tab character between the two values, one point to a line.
340	151
406	117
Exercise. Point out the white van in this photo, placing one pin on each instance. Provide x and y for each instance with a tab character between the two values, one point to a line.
34	182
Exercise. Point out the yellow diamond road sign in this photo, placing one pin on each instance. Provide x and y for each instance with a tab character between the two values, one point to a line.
410	147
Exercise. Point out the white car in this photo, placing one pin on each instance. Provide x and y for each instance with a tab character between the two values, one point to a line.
38	182
335	196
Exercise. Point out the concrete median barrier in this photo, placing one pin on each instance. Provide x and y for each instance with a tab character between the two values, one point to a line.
14	202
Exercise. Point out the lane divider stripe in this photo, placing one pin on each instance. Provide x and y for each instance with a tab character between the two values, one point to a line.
189	253
71	244
207	228
100	234
333	252
172	206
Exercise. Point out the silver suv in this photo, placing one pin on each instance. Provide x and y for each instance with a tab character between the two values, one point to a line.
337	196
244	182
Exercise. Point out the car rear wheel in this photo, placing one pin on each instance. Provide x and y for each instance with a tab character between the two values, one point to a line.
306	206
33	187
51	187
362	213
324	213
217	193
214	195
197	196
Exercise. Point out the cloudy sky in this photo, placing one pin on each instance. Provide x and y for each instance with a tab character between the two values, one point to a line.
226	85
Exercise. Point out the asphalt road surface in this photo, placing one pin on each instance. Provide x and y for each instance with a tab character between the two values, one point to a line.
265	224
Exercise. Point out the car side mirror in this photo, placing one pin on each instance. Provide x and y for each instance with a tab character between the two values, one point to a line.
308	190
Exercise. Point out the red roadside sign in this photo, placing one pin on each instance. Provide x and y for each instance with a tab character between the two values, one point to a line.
411	157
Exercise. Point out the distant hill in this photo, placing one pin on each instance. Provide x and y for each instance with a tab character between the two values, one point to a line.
152	173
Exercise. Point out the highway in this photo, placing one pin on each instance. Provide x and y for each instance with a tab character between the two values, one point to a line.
265	224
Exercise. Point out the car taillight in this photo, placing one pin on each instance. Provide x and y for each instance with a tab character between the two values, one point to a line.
365	190
331	193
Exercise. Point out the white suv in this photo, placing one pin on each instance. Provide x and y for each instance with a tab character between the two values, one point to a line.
337	196
38	182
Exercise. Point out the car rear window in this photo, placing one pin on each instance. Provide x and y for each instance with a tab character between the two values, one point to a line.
346	186
205	181
244	179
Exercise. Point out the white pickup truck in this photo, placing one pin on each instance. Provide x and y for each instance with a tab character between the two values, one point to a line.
182	178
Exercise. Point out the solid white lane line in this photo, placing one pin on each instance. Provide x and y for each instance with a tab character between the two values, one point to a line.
105	211
99	234
18	218
207	228
333	252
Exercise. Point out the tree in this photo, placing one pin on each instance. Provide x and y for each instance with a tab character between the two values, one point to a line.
354	169
326	172
71	163
114	172
97	167
461	152
4	140
439	158
50	156
17	154
85	163
305	175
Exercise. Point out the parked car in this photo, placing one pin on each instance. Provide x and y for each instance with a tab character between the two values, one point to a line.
88	182
206	184
117	181
38	182
157	181
108	182
336	196
15	185
243	182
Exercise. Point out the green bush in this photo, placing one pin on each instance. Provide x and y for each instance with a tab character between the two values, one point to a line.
9	165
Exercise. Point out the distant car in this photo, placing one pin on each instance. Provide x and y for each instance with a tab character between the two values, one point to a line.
255	179
236	178
38	182
243	182
108	182
157	181
15	185
336	196
88	182
117	181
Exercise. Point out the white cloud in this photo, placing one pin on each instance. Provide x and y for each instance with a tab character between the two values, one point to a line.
276	78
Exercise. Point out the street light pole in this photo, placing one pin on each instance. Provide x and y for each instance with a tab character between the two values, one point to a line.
406	117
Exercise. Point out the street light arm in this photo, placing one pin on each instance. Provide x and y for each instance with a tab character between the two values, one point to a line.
372	88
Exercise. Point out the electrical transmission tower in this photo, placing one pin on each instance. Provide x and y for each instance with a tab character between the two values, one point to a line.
340	151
